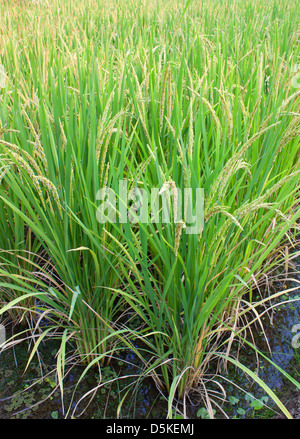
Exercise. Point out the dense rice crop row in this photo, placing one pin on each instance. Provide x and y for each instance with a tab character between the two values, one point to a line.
160	95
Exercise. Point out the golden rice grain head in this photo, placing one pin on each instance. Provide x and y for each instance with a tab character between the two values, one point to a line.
51	189
214	116
227	111
178	231
170	185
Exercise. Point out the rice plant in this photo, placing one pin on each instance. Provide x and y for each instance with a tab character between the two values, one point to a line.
157	95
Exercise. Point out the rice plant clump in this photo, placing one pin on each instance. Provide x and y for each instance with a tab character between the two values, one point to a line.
149	167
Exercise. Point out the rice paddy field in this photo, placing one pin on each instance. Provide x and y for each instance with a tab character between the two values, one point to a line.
149	196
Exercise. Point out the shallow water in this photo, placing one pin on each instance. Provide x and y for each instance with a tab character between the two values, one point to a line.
281	334
279	329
